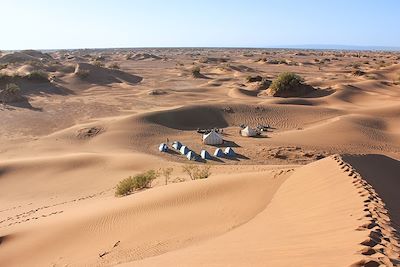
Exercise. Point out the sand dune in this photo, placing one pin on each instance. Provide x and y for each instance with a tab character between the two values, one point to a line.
256	221
306	218
146	224
318	187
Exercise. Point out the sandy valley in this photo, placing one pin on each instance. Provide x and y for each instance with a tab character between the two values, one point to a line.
319	187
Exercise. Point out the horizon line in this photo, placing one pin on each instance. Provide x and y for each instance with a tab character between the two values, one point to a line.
298	47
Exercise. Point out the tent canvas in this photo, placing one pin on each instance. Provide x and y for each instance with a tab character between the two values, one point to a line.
218	152
191	155
184	150
212	138
229	152
163	147
177	145
248	131
204	154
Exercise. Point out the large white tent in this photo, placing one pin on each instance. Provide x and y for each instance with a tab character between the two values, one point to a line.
248	131
212	138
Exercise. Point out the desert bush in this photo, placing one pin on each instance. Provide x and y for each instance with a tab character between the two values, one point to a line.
124	187
166	172
252	79
263	84
38	75
357	72
195	71
98	63
114	65
144	180
82	73
140	181
11	90
195	172
285	82
202	173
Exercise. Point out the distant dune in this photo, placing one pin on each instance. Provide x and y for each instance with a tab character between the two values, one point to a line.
315	185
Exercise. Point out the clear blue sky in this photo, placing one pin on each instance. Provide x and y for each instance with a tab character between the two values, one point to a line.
46	24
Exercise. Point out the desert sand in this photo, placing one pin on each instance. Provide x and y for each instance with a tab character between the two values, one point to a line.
321	187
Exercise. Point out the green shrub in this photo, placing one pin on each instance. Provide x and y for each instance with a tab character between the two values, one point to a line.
124	187
196	71
285	82
38	75
140	181
144	180
195	172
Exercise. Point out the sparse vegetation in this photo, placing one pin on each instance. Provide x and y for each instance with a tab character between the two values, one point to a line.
98	63
82	73
286	83
196	71
10	91
195	172
114	65
252	79
140	181
357	72
166	172
37	75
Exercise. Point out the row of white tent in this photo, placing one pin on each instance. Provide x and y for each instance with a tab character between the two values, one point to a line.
184	150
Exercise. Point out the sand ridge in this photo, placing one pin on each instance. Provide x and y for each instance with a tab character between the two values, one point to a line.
319	187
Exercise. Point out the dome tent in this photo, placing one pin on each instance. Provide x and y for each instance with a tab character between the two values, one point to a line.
163	147
184	150
229	152
177	145
204	154
191	155
218	152
248	131
212	138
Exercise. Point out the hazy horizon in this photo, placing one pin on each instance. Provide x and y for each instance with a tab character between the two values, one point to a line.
46	25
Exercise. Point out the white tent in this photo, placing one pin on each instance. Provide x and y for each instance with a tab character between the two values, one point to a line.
177	145
218	153
248	131
204	154
163	147
184	150
191	155
212	138
229	152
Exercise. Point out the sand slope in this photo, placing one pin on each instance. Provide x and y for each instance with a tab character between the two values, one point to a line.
324	208
320	217
146	224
